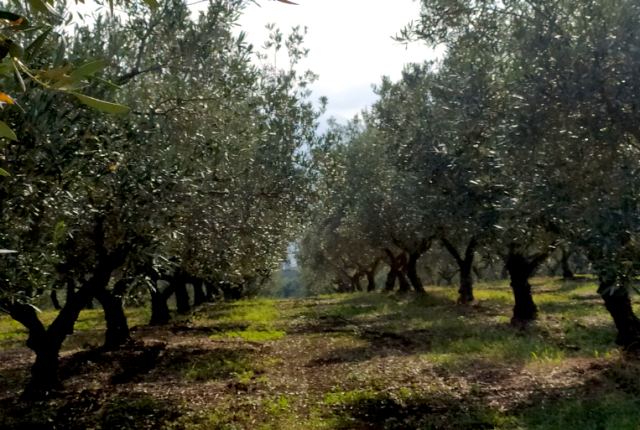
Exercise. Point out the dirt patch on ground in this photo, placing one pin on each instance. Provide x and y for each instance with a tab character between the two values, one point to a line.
326	372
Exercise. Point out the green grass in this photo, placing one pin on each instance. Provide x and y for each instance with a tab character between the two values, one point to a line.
611	411
371	361
218	367
254	311
252	335
259	319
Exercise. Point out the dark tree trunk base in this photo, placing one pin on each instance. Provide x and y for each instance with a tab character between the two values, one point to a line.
390	283
405	287
199	296
412	273
371	282
465	265
465	292
182	295
44	374
521	269
159	309
117	334
618	303
525	309
567	274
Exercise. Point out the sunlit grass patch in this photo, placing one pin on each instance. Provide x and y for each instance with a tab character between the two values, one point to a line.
256	310
502	297
252	335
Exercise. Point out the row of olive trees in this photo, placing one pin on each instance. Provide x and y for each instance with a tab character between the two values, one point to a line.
202	184
523	139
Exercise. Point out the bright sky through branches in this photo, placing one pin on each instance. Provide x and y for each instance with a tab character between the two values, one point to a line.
350	43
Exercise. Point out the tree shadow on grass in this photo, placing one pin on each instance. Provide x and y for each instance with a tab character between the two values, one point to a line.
195	364
455	346
578	307
408	411
89	409
607	398
126	364
575	283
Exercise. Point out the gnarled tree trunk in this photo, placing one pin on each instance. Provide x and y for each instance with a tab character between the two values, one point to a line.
465	291
394	268
371	281
182	295
211	290
160	314
47	343
410	263
355	282
405	286
199	296
117	333
520	270
567	273
390	282
54	300
412	272
371	276
617	301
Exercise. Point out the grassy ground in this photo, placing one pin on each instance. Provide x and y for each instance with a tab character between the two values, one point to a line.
363	361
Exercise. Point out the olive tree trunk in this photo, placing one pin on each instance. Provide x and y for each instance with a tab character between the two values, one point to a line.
412	272
117	333
199	296
394	268
46	343
182	295
465	291
520	270
567	273
617	301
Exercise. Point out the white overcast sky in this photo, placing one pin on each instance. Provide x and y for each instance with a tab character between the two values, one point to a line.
349	40
350	43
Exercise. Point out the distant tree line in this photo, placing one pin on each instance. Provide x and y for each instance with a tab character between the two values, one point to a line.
523	141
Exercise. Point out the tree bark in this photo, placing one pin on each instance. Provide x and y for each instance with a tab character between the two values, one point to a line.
405	286
117	333
198	292
393	271
617	301
47	343
465	291
371	281
210	291
160	314
71	288
182	295
54	300
391	279
520	270
159	308
412	272
355	282
567	274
